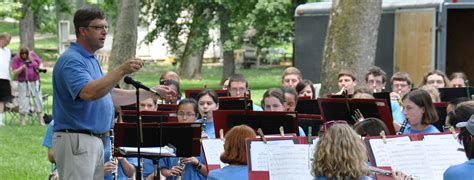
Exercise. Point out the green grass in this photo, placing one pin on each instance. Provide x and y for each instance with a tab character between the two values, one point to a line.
11	28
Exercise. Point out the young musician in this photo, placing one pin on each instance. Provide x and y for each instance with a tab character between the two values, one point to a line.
306	88
148	105
420	113
191	167
274	100
291	98
346	81
464	170
458	79
463	111
171	98
291	77
341	154
401	85
208	102
436	78
238	87
375	79
234	154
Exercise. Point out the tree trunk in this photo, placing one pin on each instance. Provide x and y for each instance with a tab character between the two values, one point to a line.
229	64
27	27
351	40
198	38
125	36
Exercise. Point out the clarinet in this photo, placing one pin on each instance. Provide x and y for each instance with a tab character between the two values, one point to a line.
203	132
402	128
112	158
182	166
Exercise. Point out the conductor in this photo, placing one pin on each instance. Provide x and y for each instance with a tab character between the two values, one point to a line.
84	99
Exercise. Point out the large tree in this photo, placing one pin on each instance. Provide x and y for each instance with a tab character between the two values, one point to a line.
27	28
351	40
125	35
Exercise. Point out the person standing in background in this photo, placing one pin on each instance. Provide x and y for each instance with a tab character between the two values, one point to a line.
5	88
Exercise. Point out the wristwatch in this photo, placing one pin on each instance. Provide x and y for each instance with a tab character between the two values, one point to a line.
198	166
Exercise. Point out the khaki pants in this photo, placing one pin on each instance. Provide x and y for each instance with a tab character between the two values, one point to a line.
24	92
78	156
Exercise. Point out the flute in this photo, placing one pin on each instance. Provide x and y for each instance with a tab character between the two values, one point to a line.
383	172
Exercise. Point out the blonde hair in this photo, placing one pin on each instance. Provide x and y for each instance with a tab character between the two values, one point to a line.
341	154
434	92
292	70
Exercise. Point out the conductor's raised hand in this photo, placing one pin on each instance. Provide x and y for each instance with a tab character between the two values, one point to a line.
131	65
165	91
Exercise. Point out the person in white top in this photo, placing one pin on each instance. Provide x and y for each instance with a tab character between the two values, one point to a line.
5	58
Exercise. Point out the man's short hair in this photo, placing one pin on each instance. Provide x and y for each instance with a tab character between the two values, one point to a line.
238	78
401	76
84	16
376	71
290	71
346	72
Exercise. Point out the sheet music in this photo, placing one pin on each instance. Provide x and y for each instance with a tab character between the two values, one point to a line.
289	162
427	159
380	149
259	153
213	148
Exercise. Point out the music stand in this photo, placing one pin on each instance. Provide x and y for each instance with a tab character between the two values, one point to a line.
269	122
150	116
313	120
192	93
307	106
386	96
235	103
167	107
441	110
344	109
448	94
129	107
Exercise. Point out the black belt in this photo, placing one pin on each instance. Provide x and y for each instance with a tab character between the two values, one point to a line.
84	132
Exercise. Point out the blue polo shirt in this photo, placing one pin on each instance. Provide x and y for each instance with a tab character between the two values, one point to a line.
73	70
427	130
460	171
230	172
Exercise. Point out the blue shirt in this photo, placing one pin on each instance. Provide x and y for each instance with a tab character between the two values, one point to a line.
208	127
231	172
107	152
48	136
429	129
460	172
120	173
397	113
190	172
148	167
256	108
73	70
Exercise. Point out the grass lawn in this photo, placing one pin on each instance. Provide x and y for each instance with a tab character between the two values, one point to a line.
23	157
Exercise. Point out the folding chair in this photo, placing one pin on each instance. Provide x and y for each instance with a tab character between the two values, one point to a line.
12	108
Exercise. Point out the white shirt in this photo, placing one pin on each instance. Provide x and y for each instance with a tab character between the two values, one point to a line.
5	58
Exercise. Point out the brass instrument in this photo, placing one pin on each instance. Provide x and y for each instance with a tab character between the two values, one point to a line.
182	166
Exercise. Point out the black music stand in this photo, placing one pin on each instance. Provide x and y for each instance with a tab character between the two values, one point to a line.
192	93
235	103
307	106
448	94
269	122
150	116
344	109
441	110
386	96
313	120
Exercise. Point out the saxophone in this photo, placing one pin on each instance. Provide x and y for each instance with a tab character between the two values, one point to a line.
182	166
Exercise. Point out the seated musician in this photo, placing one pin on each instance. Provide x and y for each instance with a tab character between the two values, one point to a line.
458	79
148	105
170	75
435	78
234	154
375	79
238	87
341	154
464	170
346	81
186	167
306	88
419	112
171	99
291	77
208	101
401	85
291	98
274	100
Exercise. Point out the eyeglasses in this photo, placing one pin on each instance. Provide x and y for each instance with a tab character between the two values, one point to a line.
182	114
240	90
377	82
329	124
435	81
99	28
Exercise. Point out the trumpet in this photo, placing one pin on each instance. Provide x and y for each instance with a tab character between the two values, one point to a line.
182	166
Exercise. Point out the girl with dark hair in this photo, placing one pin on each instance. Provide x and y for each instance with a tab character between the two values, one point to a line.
208	101
291	97
306	88
419	112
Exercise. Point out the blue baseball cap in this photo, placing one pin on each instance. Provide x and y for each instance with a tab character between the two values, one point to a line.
469	125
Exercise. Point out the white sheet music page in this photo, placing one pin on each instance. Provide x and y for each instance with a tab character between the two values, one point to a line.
213	148
259	153
380	149
442	152
289	162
